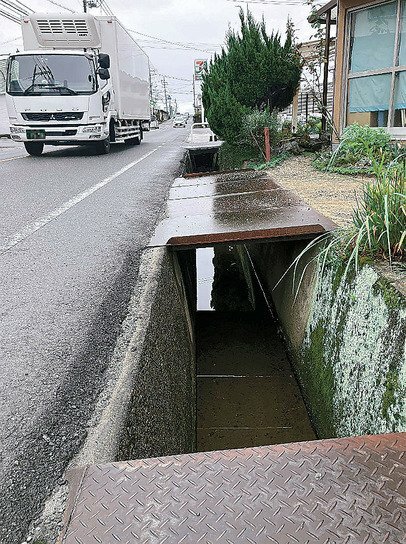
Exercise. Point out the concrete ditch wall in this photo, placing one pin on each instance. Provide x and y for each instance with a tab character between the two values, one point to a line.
347	341
148	406
161	419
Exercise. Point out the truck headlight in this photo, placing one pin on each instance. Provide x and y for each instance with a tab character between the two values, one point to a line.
17	130
95	128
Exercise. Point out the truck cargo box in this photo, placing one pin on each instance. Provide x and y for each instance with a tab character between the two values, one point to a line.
129	69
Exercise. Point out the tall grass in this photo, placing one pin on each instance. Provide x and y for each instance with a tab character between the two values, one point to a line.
378	229
380	215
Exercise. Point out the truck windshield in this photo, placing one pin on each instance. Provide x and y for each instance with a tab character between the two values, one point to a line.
50	75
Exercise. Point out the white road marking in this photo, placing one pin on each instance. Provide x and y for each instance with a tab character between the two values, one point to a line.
45	219
13	158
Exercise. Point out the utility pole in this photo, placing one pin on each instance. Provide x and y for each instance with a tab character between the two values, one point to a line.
324	118
166	96
194	95
151	94
85	6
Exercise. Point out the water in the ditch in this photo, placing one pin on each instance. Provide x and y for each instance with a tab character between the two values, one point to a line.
247	394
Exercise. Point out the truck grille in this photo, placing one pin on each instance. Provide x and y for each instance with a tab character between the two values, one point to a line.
58	116
61	26
61	133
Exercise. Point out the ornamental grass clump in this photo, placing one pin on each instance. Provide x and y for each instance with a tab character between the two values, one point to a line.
378	230
380	215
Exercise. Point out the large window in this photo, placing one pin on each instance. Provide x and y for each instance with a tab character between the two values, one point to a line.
377	66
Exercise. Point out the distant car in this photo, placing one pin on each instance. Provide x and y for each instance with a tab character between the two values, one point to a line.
145	126
201	133
154	123
179	121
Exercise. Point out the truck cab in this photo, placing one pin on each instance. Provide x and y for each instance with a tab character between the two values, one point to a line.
81	80
56	97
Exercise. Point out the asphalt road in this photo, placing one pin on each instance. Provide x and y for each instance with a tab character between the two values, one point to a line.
72	226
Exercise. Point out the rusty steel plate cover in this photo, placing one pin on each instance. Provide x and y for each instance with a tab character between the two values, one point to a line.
341	491
235	207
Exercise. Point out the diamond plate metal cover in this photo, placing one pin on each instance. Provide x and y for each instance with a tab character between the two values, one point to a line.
235	206
330	491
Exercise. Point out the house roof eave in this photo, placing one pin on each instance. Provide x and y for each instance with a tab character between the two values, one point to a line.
318	15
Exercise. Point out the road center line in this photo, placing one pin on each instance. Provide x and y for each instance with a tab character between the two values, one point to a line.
12	158
45	219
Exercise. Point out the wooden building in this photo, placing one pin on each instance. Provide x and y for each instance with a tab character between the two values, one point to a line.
370	65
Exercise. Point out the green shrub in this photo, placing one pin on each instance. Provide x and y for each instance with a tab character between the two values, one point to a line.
361	150
313	126
252	129
234	156
361	144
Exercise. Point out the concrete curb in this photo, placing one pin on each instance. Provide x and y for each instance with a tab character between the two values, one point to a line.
109	418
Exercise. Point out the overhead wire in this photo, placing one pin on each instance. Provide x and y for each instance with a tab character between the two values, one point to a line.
11	6
106	8
61	6
271	2
24	6
162	40
9	16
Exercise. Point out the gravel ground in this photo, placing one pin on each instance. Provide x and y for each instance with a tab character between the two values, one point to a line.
331	194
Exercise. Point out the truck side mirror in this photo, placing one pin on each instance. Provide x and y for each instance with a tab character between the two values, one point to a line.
104	61
103	73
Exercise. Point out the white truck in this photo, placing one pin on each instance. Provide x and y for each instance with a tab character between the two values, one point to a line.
81	80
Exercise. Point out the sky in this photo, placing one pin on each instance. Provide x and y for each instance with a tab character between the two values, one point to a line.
196	29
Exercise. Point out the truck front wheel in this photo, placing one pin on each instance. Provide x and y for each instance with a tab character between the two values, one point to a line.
34	148
134	141
103	147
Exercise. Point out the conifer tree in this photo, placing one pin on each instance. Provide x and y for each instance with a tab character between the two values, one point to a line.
254	72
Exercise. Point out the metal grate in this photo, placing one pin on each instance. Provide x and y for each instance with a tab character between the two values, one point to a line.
60	26
49	116
343	491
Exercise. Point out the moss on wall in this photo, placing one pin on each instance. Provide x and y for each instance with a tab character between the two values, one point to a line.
318	377
352	364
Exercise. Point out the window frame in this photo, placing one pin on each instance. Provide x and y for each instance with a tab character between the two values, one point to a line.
397	132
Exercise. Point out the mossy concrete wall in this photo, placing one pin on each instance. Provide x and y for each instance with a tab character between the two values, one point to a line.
347	341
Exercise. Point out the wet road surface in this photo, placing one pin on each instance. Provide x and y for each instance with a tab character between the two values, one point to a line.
72	226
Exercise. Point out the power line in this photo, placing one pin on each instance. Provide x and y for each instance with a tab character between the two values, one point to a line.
162	40
271	2
177	78
18	10
106	8
10	16
24	6
61	6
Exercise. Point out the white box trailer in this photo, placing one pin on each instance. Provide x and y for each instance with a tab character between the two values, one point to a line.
81	79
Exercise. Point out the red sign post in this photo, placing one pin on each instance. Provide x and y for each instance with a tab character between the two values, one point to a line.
267	145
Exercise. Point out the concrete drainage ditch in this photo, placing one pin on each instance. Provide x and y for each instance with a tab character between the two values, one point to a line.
211	379
220	378
245	364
